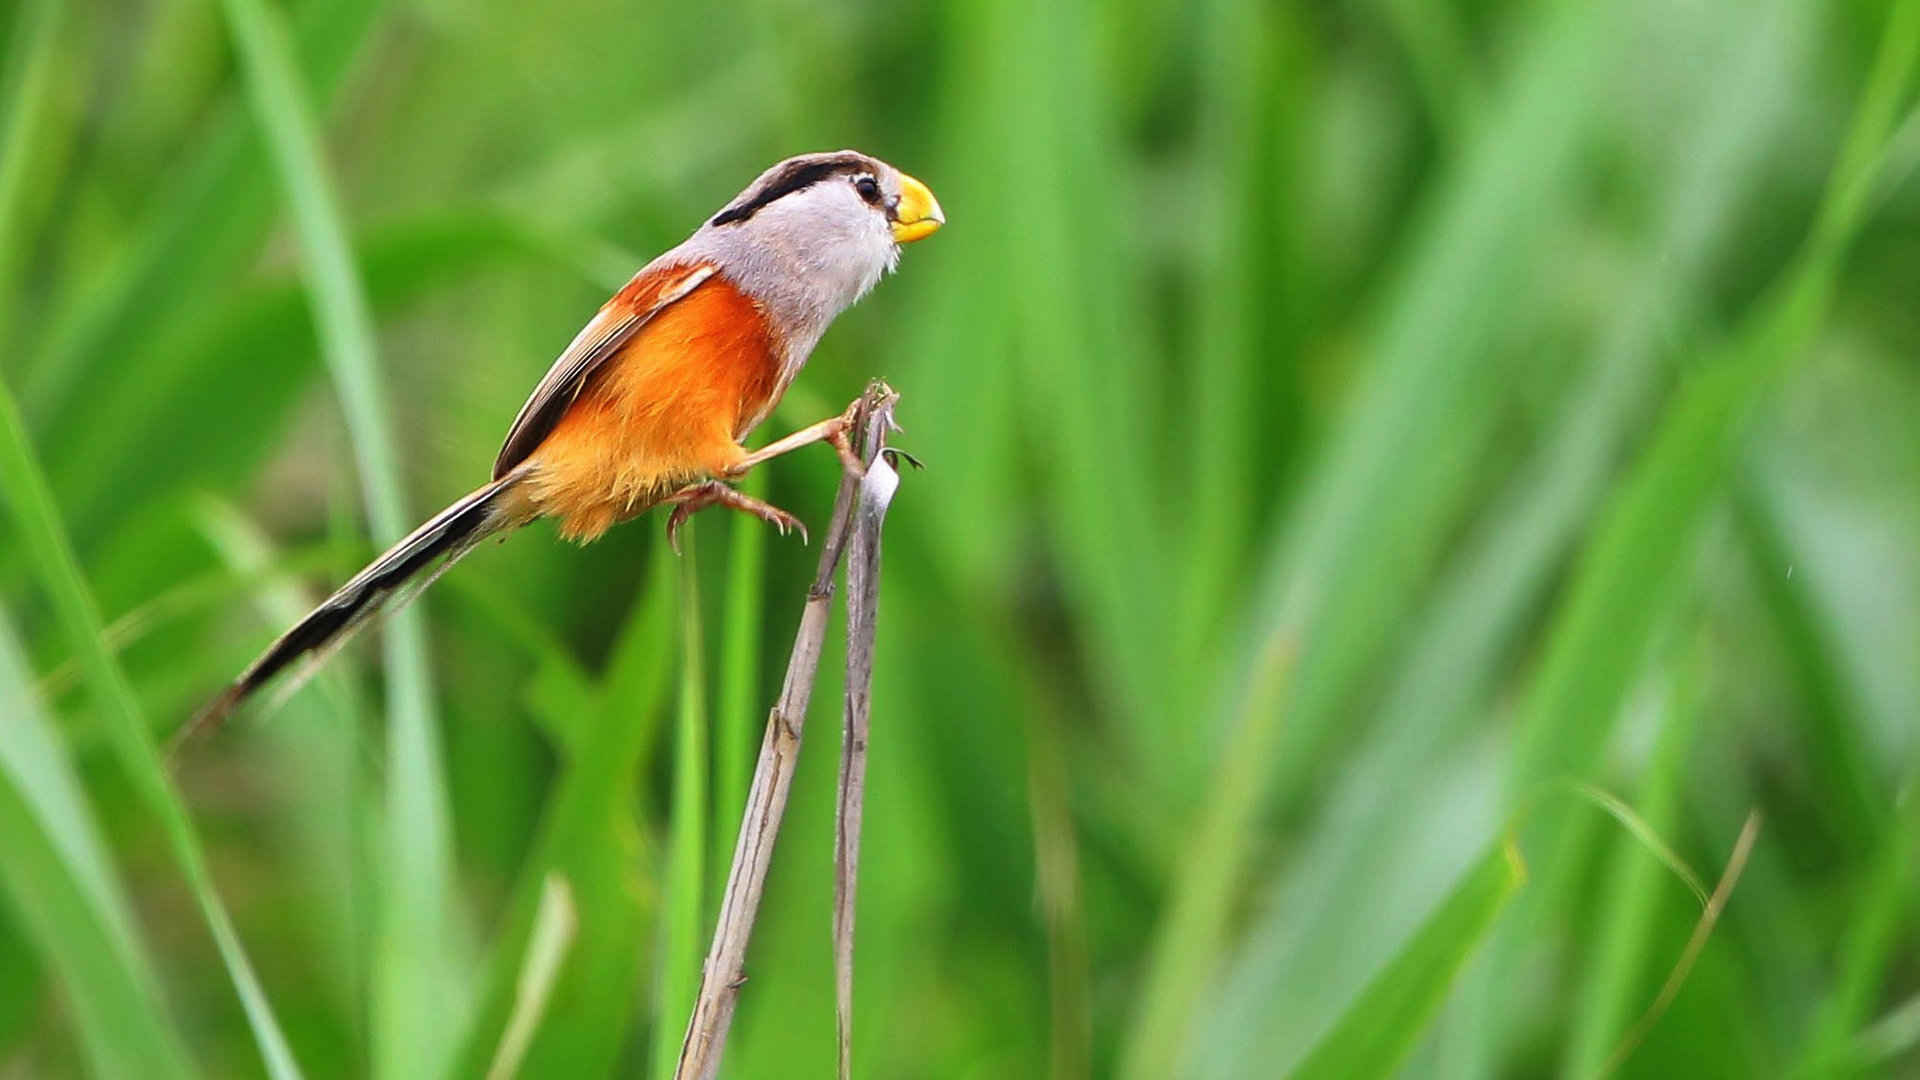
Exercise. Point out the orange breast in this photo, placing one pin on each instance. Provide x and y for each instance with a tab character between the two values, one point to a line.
668	409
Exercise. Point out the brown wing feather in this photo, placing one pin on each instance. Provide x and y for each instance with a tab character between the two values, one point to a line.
614	325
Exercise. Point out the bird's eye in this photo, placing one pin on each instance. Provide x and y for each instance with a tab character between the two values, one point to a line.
868	187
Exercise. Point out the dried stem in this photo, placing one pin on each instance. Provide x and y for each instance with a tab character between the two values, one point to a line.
1717	903
863	606
725	969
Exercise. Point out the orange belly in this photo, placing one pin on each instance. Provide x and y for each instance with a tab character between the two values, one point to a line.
670	408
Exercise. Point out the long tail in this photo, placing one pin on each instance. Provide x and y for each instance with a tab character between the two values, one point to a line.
451	533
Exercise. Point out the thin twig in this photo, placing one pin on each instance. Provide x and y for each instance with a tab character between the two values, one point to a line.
554	923
725	969
863	606
1736	863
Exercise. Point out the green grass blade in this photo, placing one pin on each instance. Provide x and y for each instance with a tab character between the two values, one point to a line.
1376	511
554	924
1481	605
35	133
1632	571
206	224
1613	994
195	596
1382	1026
319	745
1632	567
588	835
37	519
1643	546
737	721
1884	904
1646	832
1245	43
211	362
1191	933
1830	715
1894	1034
1480	608
342	316
419	978
60	881
1441	61
684	921
1074	402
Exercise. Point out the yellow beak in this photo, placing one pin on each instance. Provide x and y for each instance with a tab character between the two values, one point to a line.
917	214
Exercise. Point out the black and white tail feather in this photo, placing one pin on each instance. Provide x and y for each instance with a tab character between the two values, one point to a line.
384	586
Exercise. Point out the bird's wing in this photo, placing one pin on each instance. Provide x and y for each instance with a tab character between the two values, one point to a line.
645	296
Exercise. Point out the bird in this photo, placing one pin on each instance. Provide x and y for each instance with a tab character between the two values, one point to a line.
649	403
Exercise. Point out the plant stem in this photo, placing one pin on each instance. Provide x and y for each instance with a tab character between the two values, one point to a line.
725	970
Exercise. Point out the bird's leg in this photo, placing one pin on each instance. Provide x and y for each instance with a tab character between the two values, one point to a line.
694	498
832	430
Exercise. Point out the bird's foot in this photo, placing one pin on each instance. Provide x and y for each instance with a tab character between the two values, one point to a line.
835	430
694	498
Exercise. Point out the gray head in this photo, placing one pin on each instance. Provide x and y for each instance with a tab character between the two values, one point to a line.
812	234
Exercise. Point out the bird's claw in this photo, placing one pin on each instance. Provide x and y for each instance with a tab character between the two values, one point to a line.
674	520
694	498
785	522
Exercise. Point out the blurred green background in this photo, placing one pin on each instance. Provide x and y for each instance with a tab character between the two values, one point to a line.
1369	445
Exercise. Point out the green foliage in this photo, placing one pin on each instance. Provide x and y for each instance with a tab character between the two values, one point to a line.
682	925
419	987
59	882
1379	1029
1350	429
36	519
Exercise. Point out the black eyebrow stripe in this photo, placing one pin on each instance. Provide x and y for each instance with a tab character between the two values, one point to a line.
800	177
